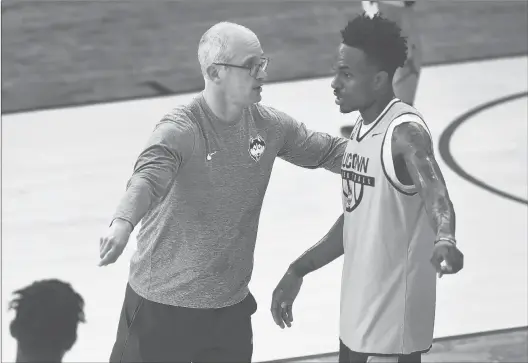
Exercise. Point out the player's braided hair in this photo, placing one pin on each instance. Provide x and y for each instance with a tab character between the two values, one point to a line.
47	315
379	38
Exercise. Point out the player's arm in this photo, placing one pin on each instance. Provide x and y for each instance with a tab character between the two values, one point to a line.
156	167
310	149
413	142
325	251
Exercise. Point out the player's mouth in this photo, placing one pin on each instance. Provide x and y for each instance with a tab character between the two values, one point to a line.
338	99
258	88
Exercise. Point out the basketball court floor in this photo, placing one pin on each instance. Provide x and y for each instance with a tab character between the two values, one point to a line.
64	171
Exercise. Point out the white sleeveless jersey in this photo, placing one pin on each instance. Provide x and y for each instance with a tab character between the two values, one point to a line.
388	290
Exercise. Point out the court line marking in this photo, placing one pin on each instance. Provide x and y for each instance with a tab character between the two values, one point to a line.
444	146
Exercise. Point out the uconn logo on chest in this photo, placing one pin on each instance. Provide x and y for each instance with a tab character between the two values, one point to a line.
354	176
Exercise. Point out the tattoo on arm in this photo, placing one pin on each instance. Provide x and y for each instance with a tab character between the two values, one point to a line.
414	143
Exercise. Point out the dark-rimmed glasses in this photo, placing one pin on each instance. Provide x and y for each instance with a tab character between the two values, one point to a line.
253	69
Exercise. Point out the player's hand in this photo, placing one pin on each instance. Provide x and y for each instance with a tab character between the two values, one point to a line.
447	258
283	297
112	244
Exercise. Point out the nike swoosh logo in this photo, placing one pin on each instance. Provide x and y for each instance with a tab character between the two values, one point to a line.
209	156
379	133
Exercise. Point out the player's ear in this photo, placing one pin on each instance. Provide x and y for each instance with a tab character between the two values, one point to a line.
381	78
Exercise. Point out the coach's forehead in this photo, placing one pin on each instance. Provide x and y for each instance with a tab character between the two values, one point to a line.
245	47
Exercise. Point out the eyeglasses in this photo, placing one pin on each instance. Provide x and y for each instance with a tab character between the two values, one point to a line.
254	69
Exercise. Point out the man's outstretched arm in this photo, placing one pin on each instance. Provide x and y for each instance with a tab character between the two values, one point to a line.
154	171
413	142
310	149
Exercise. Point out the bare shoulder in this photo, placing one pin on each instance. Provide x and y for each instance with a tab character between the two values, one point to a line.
411	137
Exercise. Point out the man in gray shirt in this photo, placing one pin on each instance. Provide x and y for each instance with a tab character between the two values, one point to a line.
198	188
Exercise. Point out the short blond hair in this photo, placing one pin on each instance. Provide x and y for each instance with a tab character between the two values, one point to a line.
214	46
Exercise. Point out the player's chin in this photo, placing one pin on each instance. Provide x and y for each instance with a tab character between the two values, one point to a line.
345	108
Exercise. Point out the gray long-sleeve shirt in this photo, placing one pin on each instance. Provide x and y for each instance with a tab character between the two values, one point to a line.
204	183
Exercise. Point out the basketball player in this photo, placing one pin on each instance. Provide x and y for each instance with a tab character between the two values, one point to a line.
406	78
398	225
198	188
45	325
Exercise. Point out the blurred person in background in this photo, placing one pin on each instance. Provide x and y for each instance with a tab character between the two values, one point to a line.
45	325
406	78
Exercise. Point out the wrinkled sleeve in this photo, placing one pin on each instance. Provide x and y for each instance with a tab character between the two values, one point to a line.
170	145
309	149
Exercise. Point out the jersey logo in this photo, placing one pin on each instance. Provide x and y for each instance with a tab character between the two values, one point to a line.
354	179
257	145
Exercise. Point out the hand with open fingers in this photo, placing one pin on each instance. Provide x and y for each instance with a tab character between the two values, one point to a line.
283	297
114	242
447	258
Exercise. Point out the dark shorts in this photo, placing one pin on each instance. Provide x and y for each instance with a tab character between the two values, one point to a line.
153	332
348	356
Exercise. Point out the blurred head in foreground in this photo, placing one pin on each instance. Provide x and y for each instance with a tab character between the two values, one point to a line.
45	325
